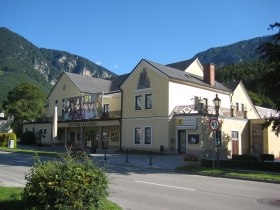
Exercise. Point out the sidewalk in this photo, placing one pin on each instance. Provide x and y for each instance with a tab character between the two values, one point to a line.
164	162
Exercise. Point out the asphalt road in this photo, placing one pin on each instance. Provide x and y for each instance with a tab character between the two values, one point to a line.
147	188
136	188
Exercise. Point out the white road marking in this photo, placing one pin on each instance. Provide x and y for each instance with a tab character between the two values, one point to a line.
164	185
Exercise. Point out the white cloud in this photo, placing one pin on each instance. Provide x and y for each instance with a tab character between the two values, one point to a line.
98	63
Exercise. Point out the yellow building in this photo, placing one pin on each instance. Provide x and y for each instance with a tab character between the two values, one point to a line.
89	112
154	107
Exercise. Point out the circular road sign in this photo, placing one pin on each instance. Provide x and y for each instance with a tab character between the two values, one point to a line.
214	124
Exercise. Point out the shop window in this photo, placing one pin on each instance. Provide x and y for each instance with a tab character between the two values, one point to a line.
137	135
148	135
138	102
115	137
193	139
148	101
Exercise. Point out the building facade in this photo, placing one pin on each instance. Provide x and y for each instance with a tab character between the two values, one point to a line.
155	107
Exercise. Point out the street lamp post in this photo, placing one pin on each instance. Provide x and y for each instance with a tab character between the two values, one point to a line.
217	104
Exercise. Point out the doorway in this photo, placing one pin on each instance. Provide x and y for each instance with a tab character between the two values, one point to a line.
257	139
181	141
72	138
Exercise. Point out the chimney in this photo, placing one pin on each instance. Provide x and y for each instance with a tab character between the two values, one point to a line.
209	73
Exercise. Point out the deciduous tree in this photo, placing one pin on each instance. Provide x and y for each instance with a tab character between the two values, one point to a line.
271	83
25	103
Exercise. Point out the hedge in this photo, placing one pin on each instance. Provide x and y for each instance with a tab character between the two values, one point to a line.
245	164
267	157
247	157
28	137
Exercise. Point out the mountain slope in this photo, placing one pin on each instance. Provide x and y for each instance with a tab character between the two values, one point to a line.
243	51
21	61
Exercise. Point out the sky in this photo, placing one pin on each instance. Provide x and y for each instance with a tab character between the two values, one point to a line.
117	34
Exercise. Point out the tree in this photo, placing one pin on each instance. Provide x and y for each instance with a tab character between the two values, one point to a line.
25	104
271	83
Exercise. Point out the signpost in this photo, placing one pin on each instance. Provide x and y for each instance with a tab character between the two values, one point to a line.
214	125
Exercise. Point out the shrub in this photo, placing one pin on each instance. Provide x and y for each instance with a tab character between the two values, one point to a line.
28	138
70	183
267	157
190	157
3	139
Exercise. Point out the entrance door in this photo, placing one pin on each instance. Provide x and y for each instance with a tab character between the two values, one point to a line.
257	139
235	150
181	141
72	138
234	142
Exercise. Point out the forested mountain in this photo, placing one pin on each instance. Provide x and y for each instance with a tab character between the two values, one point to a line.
241	61
21	61
251	74
239	52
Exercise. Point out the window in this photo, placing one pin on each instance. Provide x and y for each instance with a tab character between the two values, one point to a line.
106	108
148	101
237	106
138	102
193	139
242	107
56	102
115	137
43	131
234	135
148	135
196	101
205	103
200	104
137	135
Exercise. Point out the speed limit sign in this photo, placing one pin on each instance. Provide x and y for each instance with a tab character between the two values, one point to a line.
214	124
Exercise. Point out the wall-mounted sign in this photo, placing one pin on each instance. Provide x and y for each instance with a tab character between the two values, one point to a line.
187	123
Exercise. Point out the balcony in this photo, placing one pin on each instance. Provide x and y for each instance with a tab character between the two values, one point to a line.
111	115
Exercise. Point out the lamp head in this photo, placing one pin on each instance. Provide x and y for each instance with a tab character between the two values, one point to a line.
217	103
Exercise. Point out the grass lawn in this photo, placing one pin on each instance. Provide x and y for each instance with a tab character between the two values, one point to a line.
29	151
10	200
232	173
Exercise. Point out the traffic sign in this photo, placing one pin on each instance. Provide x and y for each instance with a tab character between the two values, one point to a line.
214	124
